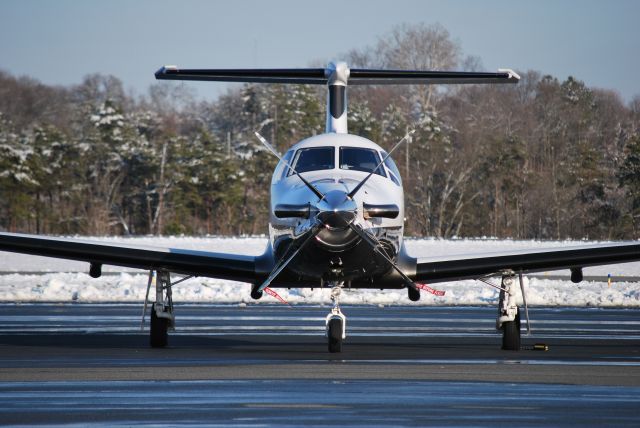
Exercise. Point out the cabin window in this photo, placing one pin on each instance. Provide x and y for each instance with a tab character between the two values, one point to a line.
360	159
314	159
394	173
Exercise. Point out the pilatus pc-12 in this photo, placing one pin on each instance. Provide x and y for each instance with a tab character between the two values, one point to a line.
336	218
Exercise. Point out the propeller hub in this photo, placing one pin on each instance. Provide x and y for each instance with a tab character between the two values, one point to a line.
337	210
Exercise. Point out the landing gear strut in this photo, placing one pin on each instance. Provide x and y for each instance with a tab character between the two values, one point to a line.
162	318
508	314
336	322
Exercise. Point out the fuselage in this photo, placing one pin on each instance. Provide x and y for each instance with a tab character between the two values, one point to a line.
335	164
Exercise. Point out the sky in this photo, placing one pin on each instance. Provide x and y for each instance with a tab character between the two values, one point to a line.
59	42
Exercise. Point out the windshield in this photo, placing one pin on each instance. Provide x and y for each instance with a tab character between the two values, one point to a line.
314	158
355	158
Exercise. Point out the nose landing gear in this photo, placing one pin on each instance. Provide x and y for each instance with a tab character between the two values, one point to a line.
336	322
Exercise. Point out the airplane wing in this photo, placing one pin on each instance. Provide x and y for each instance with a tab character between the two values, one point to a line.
200	263
473	266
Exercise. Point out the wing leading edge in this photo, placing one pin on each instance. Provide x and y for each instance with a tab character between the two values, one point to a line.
200	263
473	266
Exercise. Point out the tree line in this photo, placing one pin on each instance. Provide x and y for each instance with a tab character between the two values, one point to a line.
543	159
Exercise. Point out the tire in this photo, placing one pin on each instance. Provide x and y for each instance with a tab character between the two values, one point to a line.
511	334
158	334
335	335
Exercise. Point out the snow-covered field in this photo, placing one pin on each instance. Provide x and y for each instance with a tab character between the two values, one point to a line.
28	278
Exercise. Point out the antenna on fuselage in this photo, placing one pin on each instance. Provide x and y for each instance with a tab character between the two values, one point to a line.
337	76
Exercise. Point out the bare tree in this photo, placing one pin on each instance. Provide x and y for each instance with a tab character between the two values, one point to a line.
419	47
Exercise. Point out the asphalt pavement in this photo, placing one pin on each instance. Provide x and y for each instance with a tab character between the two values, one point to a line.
268	365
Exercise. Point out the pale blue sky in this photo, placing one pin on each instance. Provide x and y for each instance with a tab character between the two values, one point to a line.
59	42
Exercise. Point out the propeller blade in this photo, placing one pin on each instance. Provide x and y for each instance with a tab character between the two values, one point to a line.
428	289
273	151
359	186
273	293
282	263
372	241
269	146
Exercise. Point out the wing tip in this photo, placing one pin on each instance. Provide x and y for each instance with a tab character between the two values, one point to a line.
164	70
511	74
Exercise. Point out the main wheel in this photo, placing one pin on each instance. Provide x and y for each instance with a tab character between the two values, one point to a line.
335	335
511	334
158	334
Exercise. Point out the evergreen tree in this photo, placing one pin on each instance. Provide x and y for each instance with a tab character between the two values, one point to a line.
629	178
16	178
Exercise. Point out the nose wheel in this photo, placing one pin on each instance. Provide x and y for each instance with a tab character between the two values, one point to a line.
336	322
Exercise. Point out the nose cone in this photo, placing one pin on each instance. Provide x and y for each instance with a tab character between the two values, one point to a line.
337	210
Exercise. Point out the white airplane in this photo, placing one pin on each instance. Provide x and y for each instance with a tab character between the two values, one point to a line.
336	219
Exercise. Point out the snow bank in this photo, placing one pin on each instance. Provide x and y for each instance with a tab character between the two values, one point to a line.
60	280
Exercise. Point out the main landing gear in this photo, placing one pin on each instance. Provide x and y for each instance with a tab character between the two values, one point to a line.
508	320
162	318
336	322
508	314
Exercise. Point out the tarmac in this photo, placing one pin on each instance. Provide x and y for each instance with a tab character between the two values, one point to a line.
268	365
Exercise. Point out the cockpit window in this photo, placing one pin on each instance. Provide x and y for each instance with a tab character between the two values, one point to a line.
394	174
359	159
287	157
314	159
282	170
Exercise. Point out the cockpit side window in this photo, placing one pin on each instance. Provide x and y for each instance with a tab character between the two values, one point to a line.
287	157
360	159
282	169
314	159
394	173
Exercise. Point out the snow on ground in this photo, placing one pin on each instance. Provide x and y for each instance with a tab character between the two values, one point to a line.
26	278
